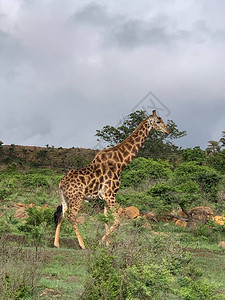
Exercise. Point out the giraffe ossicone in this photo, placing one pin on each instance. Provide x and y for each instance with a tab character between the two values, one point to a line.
101	179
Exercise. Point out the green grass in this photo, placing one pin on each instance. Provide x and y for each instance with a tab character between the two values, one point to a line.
64	272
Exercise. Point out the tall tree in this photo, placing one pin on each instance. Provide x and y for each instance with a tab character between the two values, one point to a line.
213	147
222	140
157	145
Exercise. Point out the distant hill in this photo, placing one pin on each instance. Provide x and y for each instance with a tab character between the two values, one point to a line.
60	159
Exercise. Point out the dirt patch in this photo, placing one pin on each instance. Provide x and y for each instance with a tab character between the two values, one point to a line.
204	252
50	293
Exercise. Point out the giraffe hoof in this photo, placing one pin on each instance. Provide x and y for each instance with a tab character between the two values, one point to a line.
104	241
56	245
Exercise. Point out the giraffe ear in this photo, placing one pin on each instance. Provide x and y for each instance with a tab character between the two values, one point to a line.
154	112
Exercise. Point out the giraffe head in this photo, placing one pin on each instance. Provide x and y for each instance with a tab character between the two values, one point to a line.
157	123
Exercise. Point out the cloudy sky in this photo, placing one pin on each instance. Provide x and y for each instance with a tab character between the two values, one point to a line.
70	67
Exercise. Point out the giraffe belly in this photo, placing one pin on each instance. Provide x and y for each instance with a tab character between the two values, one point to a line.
97	193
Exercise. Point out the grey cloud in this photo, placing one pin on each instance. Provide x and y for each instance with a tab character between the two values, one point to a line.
10	56
121	31
63	75
138	33
94	15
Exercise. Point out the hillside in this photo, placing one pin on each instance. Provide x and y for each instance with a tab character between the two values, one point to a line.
163	253
60	159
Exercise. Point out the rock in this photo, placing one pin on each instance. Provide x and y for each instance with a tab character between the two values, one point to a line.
166	224
80	219
181	214
201	213
131	212
181	223
147	225
221	244
151	216
21	213
159	233
219	220
20	204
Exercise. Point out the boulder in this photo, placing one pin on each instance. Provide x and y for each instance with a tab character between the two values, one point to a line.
21	213
20	204
181	223
219	220
131	212
201	213
151	216
182	214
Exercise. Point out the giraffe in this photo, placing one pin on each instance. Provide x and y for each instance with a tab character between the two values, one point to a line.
101	179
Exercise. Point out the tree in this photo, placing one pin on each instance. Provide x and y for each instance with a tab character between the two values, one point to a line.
213	147
194	154
222	140
157	145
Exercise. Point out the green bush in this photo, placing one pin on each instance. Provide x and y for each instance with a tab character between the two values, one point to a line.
143	201
193	154
164	194
106	280
207	178
38	223
158	269
217	161
36	180
147	281
19	275
200	289
142	169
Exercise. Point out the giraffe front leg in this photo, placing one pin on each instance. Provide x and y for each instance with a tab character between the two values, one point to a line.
106	227
106	223
116	224
72	220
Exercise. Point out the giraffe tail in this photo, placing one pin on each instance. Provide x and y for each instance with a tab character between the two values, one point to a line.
58	215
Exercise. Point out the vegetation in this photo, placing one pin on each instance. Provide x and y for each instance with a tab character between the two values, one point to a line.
155	260
157	145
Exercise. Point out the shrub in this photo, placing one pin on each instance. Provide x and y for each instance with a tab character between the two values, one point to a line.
143	201
206	178
143	169
147	281
39	221
200	289
19	275
36	180
164	193
157	269
193	154
217	161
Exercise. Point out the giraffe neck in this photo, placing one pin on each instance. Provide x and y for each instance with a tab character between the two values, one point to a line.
118	157
131	145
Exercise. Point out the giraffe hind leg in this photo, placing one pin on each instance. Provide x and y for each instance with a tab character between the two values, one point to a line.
58	220
58	216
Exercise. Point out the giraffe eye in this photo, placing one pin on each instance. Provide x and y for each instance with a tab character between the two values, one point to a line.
158	122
